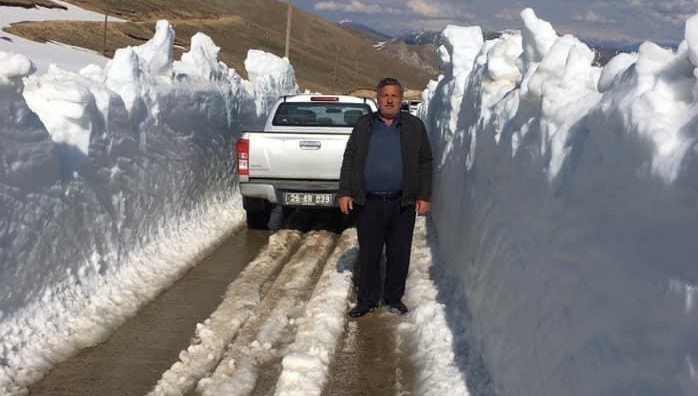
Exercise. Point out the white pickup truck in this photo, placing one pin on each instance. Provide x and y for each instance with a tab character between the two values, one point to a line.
295	161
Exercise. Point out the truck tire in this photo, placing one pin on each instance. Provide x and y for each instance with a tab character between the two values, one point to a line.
258	212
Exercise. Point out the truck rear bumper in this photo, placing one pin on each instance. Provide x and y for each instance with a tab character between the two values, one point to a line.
273	189
254	190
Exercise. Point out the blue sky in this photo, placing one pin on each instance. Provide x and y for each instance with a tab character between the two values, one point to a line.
661	21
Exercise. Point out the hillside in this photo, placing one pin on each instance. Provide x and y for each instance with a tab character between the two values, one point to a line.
412	50
326	57
421	56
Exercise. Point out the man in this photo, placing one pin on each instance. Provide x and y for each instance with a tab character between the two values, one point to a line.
386	178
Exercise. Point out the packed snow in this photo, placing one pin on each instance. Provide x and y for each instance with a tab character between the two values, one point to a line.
559	257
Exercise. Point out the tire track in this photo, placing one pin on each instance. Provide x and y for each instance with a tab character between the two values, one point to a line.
373	358
282	329
286	332
268	331
241	298
321	328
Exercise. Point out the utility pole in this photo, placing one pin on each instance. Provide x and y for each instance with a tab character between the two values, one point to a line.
104	37
287	53
334	68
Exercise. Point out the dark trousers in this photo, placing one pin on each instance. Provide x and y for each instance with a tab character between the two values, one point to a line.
383	222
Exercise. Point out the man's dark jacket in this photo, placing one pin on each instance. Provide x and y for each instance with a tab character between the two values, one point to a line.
416	160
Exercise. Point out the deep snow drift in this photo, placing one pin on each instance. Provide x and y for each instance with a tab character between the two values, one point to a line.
116	183
565	211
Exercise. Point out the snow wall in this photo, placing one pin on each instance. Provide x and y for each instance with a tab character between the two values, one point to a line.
566	212
113	185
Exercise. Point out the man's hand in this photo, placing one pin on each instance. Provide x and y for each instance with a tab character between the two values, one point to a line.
422	207
346	204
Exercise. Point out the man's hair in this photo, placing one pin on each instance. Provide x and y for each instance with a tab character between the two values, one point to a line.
389	81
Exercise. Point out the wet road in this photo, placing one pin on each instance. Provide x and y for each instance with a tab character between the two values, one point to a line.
243	289
371	359
132	360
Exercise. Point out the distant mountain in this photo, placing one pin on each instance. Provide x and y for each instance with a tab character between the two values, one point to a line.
420	56
421	37
359	27
417	50
604	50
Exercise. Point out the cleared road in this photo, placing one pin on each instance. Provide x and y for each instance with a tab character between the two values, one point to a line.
134	357
225	326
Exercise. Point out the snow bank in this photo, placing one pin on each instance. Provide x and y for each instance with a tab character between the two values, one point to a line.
268	73
109	187
565	209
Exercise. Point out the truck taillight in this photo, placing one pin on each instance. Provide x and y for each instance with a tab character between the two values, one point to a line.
324	99
242	149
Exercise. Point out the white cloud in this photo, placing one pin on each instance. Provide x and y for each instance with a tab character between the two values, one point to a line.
510	14
426	8
674	12
355	6
592	16
620	20
445	10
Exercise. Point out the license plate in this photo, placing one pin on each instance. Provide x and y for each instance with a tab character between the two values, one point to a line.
308	199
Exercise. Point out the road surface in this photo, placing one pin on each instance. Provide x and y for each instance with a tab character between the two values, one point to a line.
225	326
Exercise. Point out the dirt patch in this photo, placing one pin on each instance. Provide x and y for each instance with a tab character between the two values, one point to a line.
90	34
364	93
410	94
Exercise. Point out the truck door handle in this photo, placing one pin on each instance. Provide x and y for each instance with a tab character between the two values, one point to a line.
310	144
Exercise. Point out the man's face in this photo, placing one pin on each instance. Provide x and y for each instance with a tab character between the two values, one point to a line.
389	101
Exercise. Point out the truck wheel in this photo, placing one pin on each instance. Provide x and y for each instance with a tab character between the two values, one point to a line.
258	212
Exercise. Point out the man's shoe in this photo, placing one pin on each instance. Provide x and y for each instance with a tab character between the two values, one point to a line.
398	308
361	310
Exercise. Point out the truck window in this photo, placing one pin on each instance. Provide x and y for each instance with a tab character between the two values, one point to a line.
319	114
